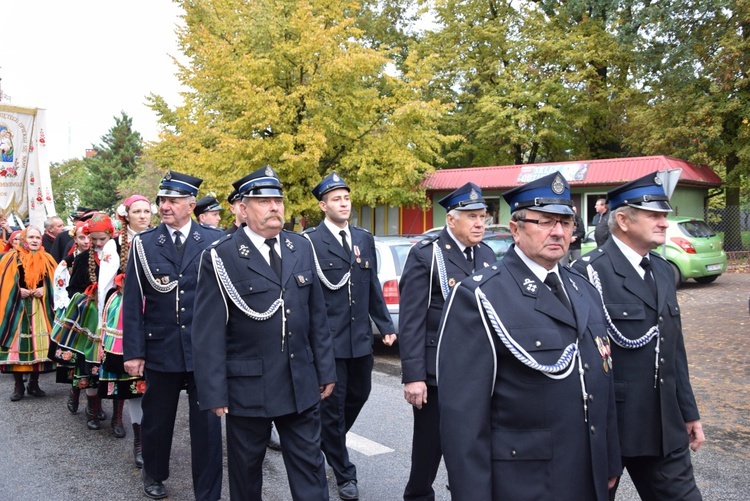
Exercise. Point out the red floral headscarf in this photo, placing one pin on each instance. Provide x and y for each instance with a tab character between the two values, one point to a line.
99	223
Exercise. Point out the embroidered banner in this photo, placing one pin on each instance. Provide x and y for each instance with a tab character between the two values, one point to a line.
25	185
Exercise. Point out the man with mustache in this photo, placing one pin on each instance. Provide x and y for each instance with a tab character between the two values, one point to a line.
157	317
266	352
348	269
656	409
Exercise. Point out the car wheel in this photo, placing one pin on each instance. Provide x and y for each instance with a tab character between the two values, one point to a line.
707	279
677	275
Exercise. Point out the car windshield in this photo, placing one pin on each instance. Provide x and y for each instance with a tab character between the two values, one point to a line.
696	229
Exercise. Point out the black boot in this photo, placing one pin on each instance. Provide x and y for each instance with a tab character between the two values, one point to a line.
93	410
137	451
34	389
117	429
73	399
18	390
100	415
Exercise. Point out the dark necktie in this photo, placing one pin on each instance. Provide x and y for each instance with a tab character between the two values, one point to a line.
178	243
557	289
273	258
467	251
345	243
647	277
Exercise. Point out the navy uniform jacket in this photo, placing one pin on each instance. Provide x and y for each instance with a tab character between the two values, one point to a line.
507	430
420	287
243	363
350	323
165	283
652	420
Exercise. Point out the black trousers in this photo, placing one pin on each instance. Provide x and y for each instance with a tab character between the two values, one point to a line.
157	428
426	450
662	478
247	438
339	412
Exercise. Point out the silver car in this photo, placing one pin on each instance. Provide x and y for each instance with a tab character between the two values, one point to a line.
392	252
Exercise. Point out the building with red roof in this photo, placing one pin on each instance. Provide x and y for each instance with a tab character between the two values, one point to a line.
589	180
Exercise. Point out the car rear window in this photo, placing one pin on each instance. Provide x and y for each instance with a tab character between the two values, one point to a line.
696	229
400	252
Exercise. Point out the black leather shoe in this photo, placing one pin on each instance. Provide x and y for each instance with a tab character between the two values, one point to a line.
35	391
153	488
73	400
348	490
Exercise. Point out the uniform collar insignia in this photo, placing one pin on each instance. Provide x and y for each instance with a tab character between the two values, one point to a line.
162	238
575	286
197	236
244	250
530	285
289	244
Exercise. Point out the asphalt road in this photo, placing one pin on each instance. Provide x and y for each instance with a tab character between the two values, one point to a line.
48	453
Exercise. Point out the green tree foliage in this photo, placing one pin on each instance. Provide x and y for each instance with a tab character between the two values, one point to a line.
115	161
531	81
299	85
695	99
68	178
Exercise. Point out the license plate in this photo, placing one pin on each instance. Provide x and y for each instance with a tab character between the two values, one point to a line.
713	267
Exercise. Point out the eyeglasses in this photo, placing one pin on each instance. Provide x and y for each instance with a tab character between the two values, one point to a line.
548	224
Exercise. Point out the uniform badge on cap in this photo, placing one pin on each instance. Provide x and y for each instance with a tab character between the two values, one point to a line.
269	171
558	186
473	195
168	176
336	178
657	181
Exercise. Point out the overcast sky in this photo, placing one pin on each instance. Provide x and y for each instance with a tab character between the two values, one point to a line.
85	61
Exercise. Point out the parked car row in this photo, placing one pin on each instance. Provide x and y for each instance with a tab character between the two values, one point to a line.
393	250
692	248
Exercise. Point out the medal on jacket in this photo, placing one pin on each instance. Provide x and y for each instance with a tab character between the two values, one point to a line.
356	253
605	351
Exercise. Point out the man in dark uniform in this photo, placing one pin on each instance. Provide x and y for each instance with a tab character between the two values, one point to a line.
347	266
527	408
656	410
208	211
157	320
266	350
234	200
433	267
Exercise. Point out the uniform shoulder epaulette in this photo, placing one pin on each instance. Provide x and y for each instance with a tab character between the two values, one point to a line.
352	227
428	241
147	230
592	256
479	277
309	230
223	239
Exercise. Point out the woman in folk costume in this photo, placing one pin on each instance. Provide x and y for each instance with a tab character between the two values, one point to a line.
76	335
81	242
26	313
114	382
14	240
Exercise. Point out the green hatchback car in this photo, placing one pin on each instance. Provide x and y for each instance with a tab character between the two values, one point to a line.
692	248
